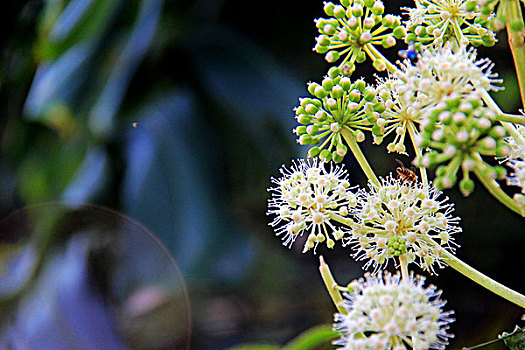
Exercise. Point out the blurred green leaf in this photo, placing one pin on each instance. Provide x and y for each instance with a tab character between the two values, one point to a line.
80	20
312	338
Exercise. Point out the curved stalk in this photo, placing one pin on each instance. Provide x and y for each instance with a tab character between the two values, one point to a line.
511	128
374	53
483	280
511	118
331	285
360	157
495	190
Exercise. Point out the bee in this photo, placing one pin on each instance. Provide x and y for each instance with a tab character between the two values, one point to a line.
411	53
405	174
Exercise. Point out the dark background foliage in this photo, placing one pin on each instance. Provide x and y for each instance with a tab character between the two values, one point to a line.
176	114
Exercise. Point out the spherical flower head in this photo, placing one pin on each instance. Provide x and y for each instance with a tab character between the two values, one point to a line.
337	106
307	198
460	22
397	218
444	72
352	30
385	312
458	133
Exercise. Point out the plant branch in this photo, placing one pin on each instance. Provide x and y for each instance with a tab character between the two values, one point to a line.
483	280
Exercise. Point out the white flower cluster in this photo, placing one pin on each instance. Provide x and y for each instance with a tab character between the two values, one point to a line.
443	73
307	198
385	312
399	218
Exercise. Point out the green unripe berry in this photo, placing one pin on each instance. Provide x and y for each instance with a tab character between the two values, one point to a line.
378	131
360	85
323	40
328	84
312	87
339	11
357	10
303	119
378	8
305	139
311	109
345	83
336	157
342	149
379	65
334	72
388	42
332	56
325	155
379	107
369	3
410	37
466	186
314	152
345	3
300	130
312	129
337	91
368	95
354	96
320	49
320	93
329	8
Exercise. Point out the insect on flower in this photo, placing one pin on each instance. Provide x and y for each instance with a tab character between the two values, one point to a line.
411	53
405	174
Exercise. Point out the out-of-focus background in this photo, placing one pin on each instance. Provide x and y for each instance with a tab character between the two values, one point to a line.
174	115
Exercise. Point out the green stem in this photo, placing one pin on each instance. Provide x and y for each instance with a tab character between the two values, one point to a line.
331	285
483	280
495	190
512	118
412	132
404	267
361	159
342	220
512	13
374	53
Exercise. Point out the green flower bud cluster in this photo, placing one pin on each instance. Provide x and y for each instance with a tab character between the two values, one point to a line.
437	22
397	246
460	131
352	30
497	21
337	104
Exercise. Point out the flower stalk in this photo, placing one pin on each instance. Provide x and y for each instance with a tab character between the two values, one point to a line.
331	285
483	280
359	156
